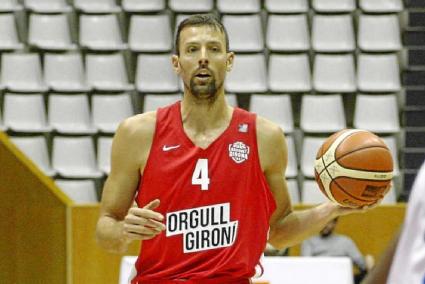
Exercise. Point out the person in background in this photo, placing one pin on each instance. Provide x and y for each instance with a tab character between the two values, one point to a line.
328	243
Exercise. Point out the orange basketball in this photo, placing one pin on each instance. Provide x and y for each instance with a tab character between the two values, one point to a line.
354	168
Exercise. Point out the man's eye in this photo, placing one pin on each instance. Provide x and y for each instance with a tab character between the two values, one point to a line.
215	49
191	49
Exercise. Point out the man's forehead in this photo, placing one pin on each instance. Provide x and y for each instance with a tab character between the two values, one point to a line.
201	33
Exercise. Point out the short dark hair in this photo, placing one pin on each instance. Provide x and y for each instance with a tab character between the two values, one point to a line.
201	20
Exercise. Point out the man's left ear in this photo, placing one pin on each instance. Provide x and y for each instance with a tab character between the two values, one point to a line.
175	63
229	61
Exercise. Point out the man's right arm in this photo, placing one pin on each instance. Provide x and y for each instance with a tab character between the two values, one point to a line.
119	223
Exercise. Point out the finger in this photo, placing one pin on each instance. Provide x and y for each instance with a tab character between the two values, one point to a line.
135	220
156	224
141	229
134	236
146	213
153	204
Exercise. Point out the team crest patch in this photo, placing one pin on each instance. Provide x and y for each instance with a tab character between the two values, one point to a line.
239	152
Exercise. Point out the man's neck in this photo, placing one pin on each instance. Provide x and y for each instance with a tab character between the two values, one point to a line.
202	116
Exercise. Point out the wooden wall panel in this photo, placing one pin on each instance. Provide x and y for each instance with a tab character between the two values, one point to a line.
33	239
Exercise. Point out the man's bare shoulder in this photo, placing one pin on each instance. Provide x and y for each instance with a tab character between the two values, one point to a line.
268	131
140	125
271	145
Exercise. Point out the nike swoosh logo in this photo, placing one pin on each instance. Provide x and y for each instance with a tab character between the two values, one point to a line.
166	148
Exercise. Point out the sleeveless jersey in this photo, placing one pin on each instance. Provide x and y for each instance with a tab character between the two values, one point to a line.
216	203
408	265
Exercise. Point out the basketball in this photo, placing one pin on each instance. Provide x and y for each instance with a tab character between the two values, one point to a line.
353	168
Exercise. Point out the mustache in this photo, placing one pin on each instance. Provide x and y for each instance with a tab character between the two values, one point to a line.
203	69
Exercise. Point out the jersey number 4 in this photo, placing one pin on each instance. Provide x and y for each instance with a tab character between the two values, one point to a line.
200	174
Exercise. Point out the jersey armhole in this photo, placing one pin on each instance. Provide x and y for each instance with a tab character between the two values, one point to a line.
148	160
258	165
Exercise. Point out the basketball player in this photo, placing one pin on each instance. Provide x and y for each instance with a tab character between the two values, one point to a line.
404	260
208	178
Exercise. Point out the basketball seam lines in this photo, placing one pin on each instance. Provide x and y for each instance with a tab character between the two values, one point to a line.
360	149
324	152
336	160
343	190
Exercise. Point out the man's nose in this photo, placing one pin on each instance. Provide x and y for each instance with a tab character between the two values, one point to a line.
203	60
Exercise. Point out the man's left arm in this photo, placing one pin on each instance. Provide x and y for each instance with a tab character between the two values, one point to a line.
288	227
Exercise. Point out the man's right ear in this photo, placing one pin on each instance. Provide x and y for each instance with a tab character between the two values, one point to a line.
176	63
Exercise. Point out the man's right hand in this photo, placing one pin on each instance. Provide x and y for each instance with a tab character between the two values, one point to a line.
143	223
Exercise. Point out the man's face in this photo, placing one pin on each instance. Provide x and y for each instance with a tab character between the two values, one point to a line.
203	61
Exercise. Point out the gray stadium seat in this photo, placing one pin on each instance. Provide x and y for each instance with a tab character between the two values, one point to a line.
378	73
35	148
289	73
97	6
286	6
238	6
143	6
109	110
70	114
381	6
311	193
10	6
333	33
248	74
153	102
104	147
21	72
391	143
101	32
80	191
107	72
379	33
277	108
293	191
292	167
377	113
310	146
287	33
322	114
9	37
74	157
245	32
150	33
334	73
155	74
64	72
190	6
25	113
334	6
47	6
232	100
50	32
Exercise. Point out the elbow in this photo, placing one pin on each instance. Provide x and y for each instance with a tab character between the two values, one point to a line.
109	245
282	240
277	240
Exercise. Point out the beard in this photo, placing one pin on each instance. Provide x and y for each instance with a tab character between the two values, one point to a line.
204	92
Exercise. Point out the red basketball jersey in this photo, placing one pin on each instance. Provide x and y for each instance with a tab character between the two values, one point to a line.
216	203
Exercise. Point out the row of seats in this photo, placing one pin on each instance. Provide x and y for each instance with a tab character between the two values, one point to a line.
75	156
72	114
153	33
66	72
189	6
84	191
